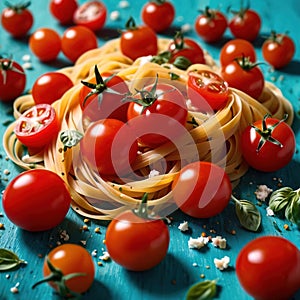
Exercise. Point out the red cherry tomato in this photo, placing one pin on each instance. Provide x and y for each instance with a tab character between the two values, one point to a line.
273	260
17	19
36	200
158	15
50	87
211	25
45	43
37	126
130	238
12	79
202	189
77	40
106	98
91	14
137	41
245	76
164	104
278	50
268	145
207	90
109	146
63	10
237	48
245	24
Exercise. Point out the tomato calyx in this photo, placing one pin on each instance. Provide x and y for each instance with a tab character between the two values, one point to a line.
181	62
266	132
208	13
240	13
245	63
59	279
130	24
276	38
7	64
159	2
18	8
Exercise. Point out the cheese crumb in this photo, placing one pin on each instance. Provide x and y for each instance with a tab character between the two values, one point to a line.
124	4
262	192
105	256
15	289
186	28
220	242
198	242
94	252
184	226
270	212
114	15
222	263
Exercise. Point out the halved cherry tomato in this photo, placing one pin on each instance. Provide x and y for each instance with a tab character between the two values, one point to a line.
45	43
63	10
12	79
207	90
158	15
91	14
211	25
17	19
202	189
50	86
36	200
37	126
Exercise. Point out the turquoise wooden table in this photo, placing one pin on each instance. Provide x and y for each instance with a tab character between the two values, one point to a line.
182	266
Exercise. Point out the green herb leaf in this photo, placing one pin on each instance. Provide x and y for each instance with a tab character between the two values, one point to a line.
70	138
279	199
204	290
9	260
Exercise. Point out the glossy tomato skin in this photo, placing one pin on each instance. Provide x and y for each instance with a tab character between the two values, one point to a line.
270	157
45	43
50	87
158	16
135	243
91	14
268	267
237	48
207	90
12	80
278	50
17	21
36	200
109	147
77	40
245	25
70	259
249	81
201	189
63	10
211	25
111	100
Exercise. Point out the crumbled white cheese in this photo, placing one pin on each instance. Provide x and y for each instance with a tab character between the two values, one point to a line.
27	66
186	28
124	4
114	15
153	173
105	256
184	226
198	242
26	57
262	192
218	241
63	235
195	264
270	212
15	289
222	263
94	252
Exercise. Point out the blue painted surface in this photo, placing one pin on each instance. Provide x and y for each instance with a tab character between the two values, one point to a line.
172	278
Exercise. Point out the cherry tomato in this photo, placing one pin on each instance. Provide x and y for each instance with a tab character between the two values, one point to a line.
70	259
50	87
77	40
245	24
268	145
207	90
158	15
63	10
131	237
17	19
245	76
201	189
45	43
36	200
211	25
109	146
106	98
187	48
236	48
278	50
273	261
137	41
163	104
12	79
91	14
37	126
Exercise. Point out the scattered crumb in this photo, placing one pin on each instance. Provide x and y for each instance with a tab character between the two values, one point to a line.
198	242
97	230
124	4
262	192
222	263
202	275
114	15
105	256
286	227
15	289
184	226
94	252
86	220
195	264
270	212
186	28
220	242
2	226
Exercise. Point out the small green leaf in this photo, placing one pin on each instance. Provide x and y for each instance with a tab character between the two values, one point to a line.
70	138
9	260
279	199
204	290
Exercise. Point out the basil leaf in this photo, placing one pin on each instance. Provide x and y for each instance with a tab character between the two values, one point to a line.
279	199
70	138
9	260
204	290
248	214
292	212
